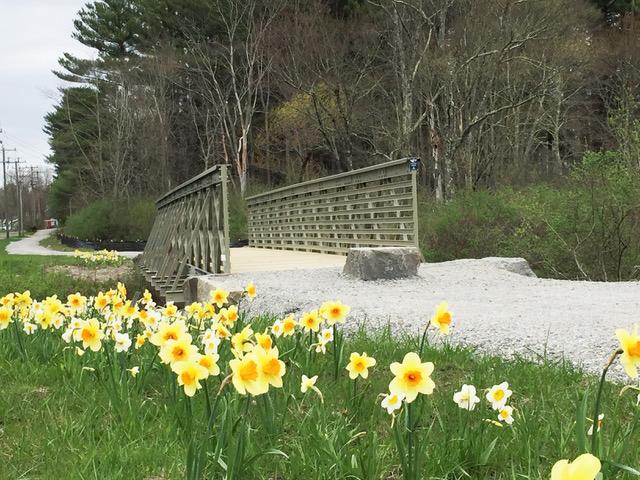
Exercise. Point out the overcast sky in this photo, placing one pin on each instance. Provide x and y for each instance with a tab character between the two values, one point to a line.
33	35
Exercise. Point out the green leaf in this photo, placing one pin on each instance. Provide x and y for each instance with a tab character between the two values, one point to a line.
626	468
581	429
484	457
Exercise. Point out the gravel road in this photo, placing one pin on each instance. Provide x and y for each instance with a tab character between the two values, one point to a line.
494	309
31	246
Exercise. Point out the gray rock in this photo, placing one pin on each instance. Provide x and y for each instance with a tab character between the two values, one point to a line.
512	264
382	263
198	288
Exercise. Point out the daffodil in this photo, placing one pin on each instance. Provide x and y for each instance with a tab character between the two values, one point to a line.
585	467
271	367
76	301
321	347
231	315
630	345
29	328
122	341
392	402
90	334
277	328
505	414
251	290
189	374
335	312
222	331
264	340
412	377
307	384
140	340
6	313
219	297
326	335
169	331
466	398
241	341
599	423
101	301
170	310
498	395
288	326
210	362
133	371
359	365
247	376
180	350
310	321
442	318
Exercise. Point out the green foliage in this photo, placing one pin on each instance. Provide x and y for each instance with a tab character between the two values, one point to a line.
113	220
586	229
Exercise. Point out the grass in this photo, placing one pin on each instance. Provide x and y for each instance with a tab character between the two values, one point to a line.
60	420
52	242
32	272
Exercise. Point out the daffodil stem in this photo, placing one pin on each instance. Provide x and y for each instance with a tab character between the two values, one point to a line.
409	474
594	437
424	340
19	340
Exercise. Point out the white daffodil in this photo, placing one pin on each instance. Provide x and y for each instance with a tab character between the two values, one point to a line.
466	398
498	395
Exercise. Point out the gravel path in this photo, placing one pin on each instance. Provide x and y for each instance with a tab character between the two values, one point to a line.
31	246
494	309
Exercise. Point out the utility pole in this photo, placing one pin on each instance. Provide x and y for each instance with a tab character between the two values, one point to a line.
19	195
4	184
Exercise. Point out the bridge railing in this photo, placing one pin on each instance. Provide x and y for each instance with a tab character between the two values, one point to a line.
190	234
373	206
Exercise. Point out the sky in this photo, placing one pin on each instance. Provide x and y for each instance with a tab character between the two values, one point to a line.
33	35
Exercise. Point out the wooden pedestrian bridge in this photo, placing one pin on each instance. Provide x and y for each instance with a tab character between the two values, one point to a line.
306	225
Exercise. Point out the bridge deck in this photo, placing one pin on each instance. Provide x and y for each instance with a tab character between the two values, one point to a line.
248	259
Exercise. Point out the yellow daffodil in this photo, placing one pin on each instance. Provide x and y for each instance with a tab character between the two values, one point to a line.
392	402
169	331
7	300
585	467
264	340
90	334
251	290
76	301
505	414
498	395
231	315
247	376
189	375
288	326
310	321
6	313
271	367
134	371
170	310
241	341
307	384
359	365
442	318
101	301
466	398
222	331
335	312
412	377
147	298
180	350
630	345
219	297
210	362
140	340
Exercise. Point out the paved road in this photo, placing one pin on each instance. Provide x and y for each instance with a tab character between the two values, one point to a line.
31	246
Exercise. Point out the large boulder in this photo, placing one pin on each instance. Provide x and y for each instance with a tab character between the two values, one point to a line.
198	288
382	262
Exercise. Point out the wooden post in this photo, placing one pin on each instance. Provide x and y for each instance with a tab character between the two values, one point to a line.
225	216
414	194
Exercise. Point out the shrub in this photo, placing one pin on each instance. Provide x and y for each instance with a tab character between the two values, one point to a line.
113	220
587	229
